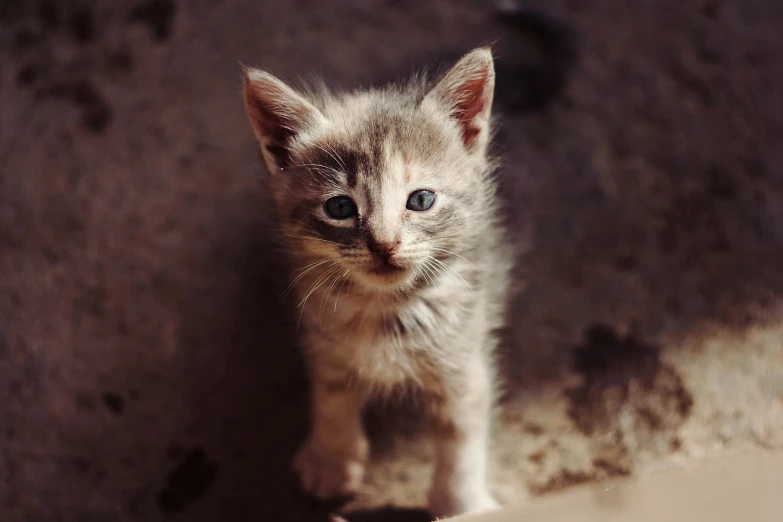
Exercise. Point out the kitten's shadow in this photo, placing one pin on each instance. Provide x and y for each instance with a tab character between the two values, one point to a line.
248	388
248	395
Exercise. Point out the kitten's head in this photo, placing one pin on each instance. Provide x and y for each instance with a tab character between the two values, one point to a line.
382	182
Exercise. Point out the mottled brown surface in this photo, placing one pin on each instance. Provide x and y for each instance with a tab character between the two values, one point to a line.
146	369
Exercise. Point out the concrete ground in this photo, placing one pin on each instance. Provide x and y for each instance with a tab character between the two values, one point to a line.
146	369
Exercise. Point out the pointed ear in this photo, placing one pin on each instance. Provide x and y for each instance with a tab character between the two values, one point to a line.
466	92
278	115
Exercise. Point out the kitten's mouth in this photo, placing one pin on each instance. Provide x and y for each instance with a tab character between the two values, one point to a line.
386	275
387	270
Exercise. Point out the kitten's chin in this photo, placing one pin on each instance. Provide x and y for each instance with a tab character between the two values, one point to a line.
385	279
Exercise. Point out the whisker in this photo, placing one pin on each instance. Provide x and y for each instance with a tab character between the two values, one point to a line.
318	282
318	167
333	156
447	267
429	274
308	266
345	279
438	249
435	268
318	239
325	297
300	276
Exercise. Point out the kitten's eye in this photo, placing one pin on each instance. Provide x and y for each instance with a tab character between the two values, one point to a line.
340	207
420	200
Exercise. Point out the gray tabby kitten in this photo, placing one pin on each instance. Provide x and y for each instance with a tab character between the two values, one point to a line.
387	204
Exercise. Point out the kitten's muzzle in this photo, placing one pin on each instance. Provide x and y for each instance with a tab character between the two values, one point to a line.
383	250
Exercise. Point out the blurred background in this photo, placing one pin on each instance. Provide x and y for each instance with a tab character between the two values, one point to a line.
147	371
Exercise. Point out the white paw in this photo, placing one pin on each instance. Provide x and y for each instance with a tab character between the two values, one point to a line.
443	503
325	474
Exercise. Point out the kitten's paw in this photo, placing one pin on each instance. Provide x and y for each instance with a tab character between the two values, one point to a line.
444	503
326	475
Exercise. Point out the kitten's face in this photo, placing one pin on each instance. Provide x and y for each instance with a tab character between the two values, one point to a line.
380	186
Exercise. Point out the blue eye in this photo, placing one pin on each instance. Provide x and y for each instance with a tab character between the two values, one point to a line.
340	207
420	200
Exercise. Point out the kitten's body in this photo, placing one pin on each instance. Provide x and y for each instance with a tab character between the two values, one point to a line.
392	295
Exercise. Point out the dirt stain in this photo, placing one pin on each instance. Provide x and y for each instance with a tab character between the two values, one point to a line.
158	15
96	113
625	382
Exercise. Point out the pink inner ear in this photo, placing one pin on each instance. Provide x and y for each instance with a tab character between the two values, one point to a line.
472	103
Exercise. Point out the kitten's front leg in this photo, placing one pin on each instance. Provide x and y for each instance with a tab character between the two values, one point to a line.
462	418
331	462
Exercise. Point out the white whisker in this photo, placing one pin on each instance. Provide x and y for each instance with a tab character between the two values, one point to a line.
447	267
345	279
334	156
325	297
316	284
430	275
318	239
449	252
307	269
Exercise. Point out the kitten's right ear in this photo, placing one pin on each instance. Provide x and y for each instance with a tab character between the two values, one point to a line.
278	115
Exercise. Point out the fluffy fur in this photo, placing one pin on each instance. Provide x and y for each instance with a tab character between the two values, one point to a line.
392	297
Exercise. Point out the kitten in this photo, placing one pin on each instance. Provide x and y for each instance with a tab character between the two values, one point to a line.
386	202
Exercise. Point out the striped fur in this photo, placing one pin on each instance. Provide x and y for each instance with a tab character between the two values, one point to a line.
426	316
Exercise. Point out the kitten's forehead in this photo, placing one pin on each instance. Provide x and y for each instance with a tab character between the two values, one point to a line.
369	142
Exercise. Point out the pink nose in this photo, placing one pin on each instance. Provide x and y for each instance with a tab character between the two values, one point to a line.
383	249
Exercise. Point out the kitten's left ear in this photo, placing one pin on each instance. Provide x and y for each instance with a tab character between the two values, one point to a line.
466	92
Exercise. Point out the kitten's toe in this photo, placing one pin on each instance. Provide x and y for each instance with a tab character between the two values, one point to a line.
443	504
328	476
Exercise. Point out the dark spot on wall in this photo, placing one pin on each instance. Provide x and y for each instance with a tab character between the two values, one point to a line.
49	14
51	255
115	402
158	15
24	39
81	26
187	483
81	465
120	61
27	75
711	8
96	114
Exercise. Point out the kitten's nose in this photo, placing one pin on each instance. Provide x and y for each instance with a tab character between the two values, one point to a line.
383	249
